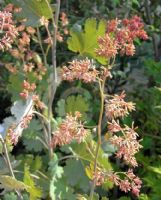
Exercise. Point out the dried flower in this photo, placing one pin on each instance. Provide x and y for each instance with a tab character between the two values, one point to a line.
27	89
125	185
99	177
64	19
80	70
127	144
70	129
11	68
8	30
120	36
130	183
44	21
117	107
107	46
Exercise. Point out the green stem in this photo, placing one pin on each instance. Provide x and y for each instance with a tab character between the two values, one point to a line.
102	85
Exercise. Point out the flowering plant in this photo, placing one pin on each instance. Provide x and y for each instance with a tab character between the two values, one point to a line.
80	140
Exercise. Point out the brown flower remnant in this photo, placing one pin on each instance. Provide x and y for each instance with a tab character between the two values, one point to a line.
26	120
120	36
15	131
38	103
44	21
64	19
117	107
70	129
80	70
107	46
8	30
27	89
127	144
99	177
11	68
130	183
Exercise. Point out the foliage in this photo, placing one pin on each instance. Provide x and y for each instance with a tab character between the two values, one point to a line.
37	164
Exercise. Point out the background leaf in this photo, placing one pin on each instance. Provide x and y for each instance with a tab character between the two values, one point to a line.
85	42
33	10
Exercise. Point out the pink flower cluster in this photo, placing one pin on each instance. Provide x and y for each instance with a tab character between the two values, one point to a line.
130	183
15	131
80	70
120	36
8	30
70	129
127	144
117	107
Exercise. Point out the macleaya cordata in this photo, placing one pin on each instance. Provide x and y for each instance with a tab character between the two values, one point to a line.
118	39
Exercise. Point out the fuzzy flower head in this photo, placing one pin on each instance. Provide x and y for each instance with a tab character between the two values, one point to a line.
120	36
8	31
80	70
130	182
127	144
117	107
69	130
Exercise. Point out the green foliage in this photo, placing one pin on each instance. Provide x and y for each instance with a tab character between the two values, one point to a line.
10	183
58	185
34	191
31	136
15	86
78	180
85	42
76	103
33	10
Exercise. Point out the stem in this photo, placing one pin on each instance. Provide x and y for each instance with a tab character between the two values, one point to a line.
102	85
53	80
154	39
8	162
41	46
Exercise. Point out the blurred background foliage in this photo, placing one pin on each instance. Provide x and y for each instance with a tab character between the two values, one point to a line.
139	76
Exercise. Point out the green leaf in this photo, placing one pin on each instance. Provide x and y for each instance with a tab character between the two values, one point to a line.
124	198
10	196
76	103
155	169
143	197
33	10
60	109
15	86
85	42
58	185
10	183
33	145
74	178
33	190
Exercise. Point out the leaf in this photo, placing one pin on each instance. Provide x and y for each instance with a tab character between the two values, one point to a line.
155	169
74	178
33	190
33	10
10	183
10	196
86	152
76	103
85	42
58	185
33	145
143	197
60	109
60	190
15	86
